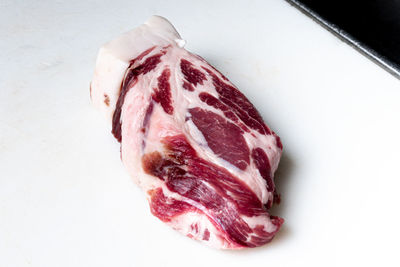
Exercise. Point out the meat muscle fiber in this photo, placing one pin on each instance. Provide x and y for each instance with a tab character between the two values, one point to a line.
189	138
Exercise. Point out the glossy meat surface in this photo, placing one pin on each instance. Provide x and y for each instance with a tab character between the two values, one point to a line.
189	138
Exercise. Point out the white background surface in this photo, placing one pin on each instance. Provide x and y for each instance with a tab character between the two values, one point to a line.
66	200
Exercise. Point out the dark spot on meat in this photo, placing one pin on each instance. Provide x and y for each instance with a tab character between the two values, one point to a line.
160	167
152	163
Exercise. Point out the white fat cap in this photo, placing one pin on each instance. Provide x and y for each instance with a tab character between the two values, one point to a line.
114	57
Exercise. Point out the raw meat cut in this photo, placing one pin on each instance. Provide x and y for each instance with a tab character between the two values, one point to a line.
189	138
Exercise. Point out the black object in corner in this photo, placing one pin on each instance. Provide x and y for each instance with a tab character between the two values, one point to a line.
371	26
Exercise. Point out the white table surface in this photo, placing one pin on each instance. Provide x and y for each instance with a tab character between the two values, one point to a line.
66	200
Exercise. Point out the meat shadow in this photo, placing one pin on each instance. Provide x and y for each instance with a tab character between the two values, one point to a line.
283	178
282	184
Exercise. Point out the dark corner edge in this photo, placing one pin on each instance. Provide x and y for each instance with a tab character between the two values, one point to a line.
383	62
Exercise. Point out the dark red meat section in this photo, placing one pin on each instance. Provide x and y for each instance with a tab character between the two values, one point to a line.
188	86
167	208
261	161
225	197
224	138
191	74
278	141
216	103
162	94
130	79
233	98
